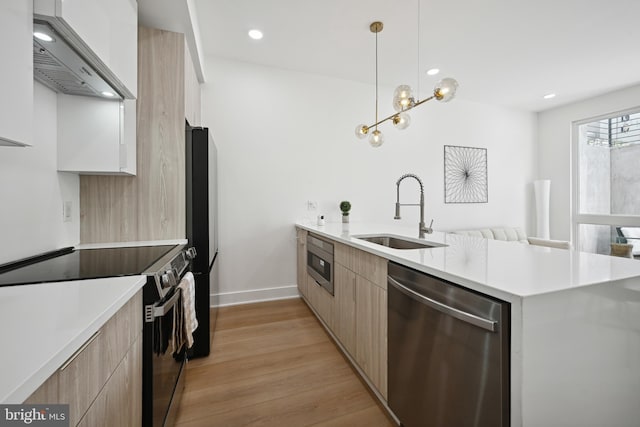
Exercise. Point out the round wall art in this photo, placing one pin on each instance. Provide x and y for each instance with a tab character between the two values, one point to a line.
465	175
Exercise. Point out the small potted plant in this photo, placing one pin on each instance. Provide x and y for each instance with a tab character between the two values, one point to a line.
345	207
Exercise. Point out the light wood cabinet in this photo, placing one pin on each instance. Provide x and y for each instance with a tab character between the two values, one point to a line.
371	332
151	205
16	76
369	266
322	301
82	377
345	307
357	312
102	380
119	402
301	265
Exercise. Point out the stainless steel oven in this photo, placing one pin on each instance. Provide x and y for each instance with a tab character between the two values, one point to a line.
164	266
163	358
320	262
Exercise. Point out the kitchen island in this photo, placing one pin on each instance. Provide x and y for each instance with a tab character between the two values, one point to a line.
575	319
43	325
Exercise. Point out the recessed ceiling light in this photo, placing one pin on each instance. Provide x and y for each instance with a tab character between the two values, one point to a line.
549	96
42	36
255	34
433	71
108	94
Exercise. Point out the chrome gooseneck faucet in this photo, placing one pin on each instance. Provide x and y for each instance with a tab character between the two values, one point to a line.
422	228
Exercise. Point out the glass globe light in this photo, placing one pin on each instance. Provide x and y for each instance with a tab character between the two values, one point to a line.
402	121
376	139
445	89
361	131
402	98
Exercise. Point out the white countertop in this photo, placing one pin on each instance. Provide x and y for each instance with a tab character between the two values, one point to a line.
44	324
506	270
574	316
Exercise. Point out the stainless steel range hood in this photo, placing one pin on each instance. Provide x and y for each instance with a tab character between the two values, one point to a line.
58	65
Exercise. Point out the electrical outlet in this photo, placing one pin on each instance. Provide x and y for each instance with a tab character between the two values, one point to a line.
312	205
66	210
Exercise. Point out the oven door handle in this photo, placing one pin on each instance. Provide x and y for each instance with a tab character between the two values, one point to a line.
153	311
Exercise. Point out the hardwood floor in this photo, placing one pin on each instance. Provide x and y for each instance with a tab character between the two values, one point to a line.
273	364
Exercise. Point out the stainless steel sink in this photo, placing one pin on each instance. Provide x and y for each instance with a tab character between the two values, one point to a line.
397	242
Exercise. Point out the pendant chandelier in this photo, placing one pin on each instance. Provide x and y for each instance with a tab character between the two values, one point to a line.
403	99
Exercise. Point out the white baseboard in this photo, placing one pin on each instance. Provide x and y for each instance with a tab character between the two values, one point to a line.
254	295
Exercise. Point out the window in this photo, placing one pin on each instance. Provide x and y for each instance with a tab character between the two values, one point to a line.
606	181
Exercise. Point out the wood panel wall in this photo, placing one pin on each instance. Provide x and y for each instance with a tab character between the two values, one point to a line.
151	205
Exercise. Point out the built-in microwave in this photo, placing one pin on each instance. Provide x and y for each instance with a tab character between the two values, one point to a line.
320	262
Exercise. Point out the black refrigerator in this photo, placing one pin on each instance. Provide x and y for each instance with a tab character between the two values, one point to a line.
202	225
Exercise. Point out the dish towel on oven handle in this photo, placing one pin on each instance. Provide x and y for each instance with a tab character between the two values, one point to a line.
190	322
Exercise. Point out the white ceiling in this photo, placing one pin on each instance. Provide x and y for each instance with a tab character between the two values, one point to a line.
504	52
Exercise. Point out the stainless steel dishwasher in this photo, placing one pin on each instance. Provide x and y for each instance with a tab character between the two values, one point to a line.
448	353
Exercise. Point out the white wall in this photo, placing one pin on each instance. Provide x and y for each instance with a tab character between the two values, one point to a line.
32	191
554	153
286	137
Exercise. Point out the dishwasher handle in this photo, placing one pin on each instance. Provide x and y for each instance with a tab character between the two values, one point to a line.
483	323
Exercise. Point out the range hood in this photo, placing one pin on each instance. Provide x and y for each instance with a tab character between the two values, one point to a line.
64	63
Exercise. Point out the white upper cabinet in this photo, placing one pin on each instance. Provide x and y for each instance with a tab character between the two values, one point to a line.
16	73
96	136
103	31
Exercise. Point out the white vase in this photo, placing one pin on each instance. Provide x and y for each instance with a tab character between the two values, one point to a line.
542	191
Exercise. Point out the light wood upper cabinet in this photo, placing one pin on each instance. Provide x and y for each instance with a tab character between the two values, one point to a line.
16	74
192	97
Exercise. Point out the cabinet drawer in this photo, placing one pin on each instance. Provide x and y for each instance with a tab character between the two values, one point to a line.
82	377
369	266
343	255
121	331
120	401
321	301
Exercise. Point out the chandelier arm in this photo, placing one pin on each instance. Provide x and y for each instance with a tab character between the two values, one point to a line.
405	110
422	102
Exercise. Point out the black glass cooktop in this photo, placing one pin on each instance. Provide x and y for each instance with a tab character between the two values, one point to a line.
69	264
